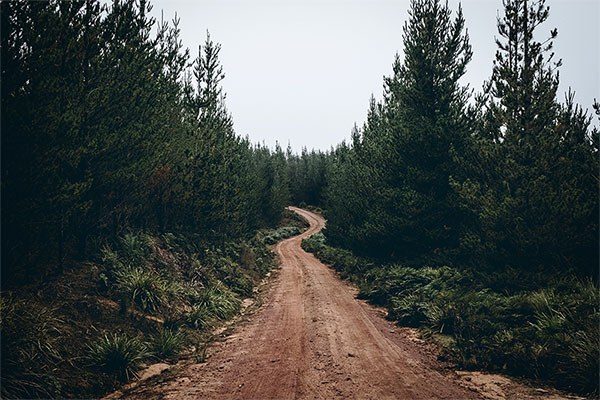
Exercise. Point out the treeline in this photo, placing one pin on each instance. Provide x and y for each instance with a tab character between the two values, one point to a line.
109	126
307	175
437	176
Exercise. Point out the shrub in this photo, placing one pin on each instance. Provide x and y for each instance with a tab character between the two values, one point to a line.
581	370
290	218
275	235
166	343
408	310
117	354
135	247
111	259
348	266
201	350
199	317
233	276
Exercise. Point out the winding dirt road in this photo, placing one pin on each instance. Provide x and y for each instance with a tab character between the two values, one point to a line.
311	339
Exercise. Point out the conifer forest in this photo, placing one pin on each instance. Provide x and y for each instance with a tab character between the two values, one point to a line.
448	246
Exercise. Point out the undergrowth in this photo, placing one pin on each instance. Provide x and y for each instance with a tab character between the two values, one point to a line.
542	328
117	354
147	298
30	349
167	343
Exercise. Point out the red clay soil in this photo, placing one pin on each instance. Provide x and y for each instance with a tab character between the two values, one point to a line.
311	339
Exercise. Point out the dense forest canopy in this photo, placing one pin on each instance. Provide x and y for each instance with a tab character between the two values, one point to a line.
505	178
109	126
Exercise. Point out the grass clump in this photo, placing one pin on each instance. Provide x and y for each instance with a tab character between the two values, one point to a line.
275	235
142	287
219	302
135	247
199	317
118	354
166	343
211	304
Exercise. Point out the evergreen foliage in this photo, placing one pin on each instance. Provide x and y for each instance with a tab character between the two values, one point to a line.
508	180
108	126
306	175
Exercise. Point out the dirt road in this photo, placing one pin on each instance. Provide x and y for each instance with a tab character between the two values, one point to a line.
311	339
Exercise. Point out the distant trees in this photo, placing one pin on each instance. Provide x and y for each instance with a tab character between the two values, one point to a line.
510	179
108	126
306	174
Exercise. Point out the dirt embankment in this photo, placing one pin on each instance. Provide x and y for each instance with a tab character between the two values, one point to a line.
312	339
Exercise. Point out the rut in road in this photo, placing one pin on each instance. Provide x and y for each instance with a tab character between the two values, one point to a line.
311	339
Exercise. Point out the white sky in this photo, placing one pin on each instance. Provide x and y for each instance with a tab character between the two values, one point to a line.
303	71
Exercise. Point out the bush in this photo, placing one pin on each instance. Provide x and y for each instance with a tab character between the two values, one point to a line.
233	275
199	317
135	247
117	354
290	218
219	302
275	235
581	369
348	266
408	310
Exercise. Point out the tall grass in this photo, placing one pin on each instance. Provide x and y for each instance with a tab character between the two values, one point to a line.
190	285
30	352
143	287
118	354
275	235
220	302
166	343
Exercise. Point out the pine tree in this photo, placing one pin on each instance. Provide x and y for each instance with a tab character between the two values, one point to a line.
411	142
534	202
106	129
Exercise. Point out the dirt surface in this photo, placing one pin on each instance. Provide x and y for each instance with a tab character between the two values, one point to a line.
311	339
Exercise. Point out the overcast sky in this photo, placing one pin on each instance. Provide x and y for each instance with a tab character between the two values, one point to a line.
303	71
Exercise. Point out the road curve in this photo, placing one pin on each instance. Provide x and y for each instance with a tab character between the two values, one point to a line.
311	339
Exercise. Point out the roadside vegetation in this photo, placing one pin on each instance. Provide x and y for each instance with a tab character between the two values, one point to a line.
545	330
148	298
